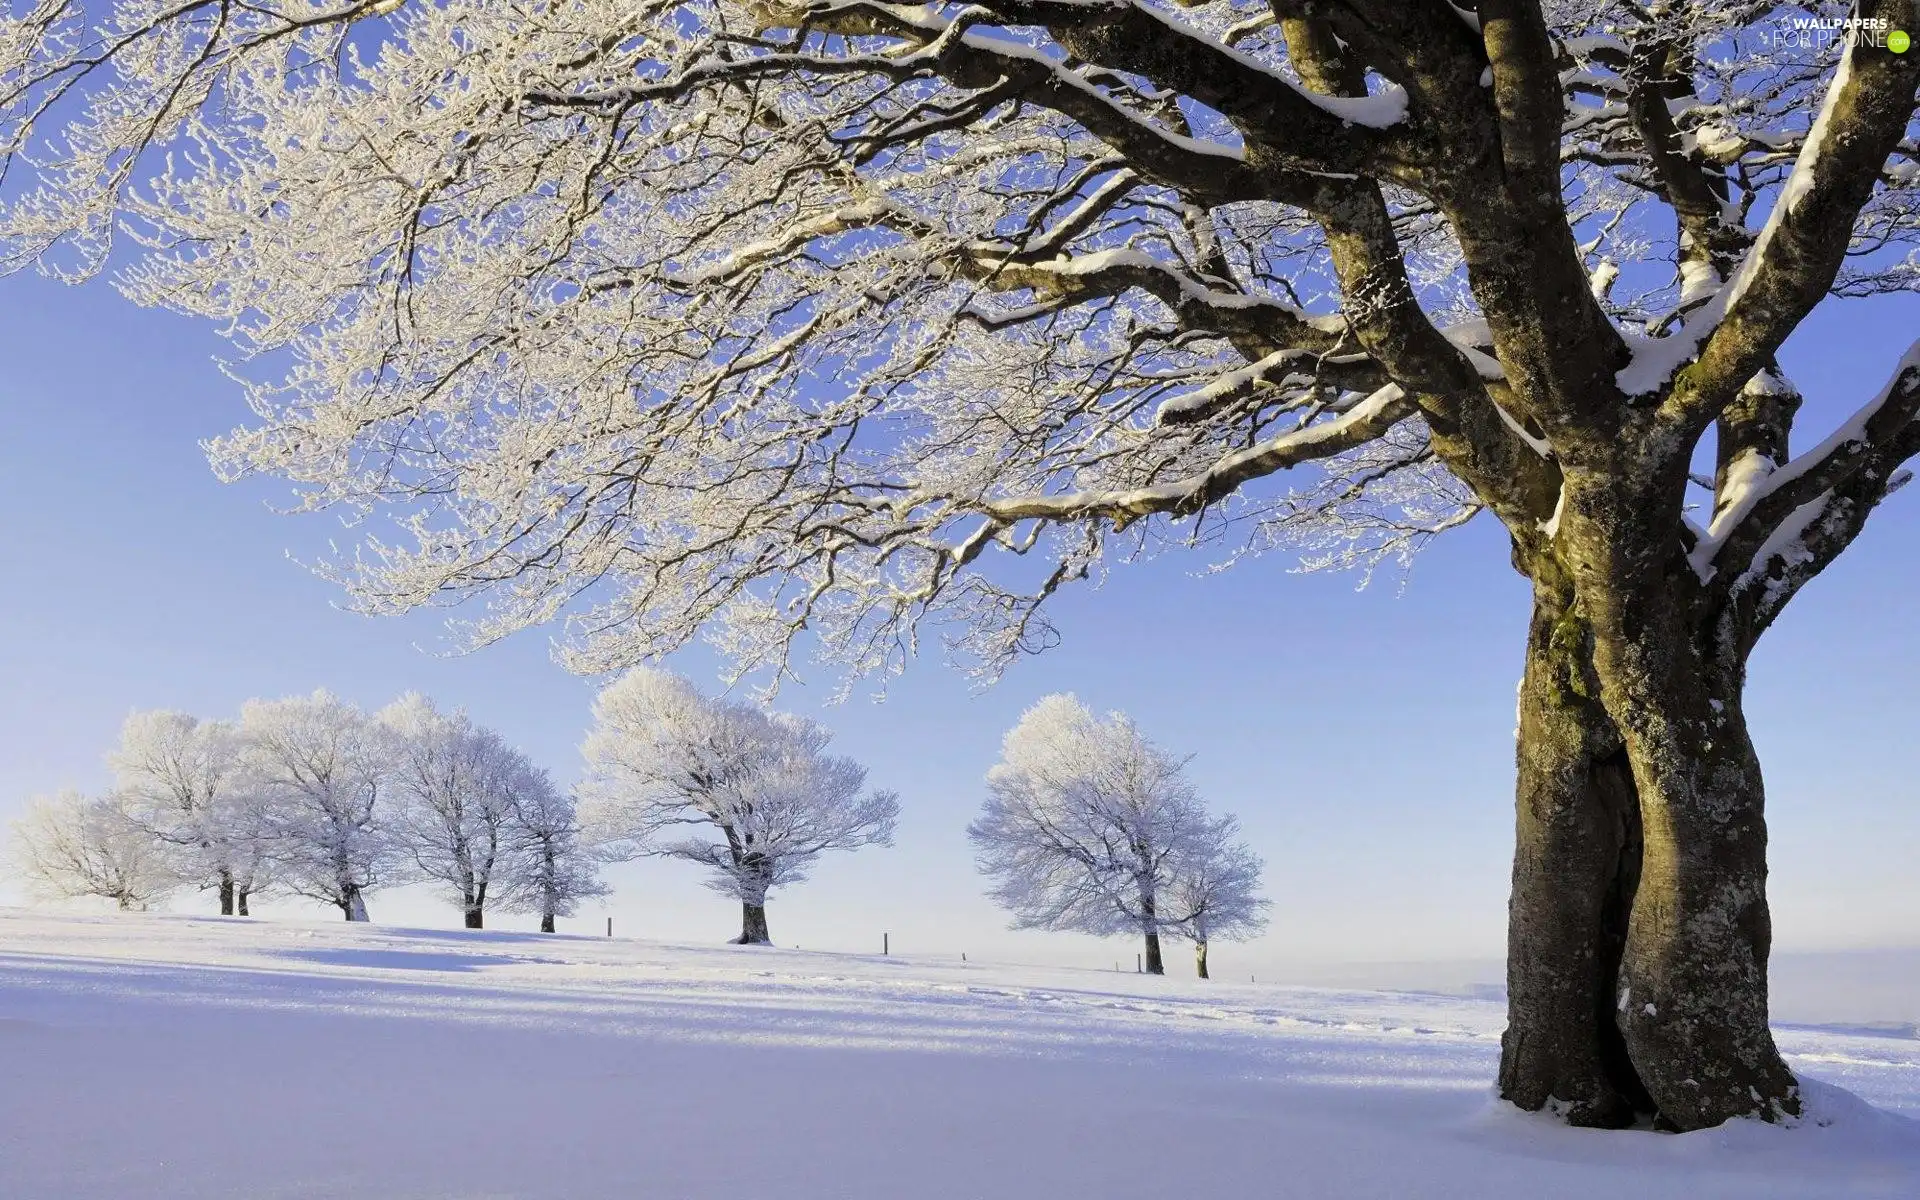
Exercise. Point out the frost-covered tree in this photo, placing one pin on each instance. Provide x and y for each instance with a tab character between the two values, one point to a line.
322	769
453	788
1085	824
69	845
250	845
665	764
864	319
1215	891
183	781
556	871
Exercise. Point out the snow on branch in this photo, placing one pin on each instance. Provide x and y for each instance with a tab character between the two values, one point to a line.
1798	254
840	326
1778	521
1369	418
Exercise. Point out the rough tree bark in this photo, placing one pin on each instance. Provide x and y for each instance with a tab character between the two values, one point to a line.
1155	965
1575	870
1639	930
753	926
1200	959
1692	990
226	892
546	921
240	902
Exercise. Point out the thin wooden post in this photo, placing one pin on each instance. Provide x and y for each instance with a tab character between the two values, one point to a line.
609	926
885	948
1137	968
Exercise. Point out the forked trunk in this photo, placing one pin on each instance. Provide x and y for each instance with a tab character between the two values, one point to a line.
1638	928
753	926
1200	959
475	917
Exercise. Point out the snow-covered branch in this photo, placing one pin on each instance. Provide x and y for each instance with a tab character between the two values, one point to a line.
1775	529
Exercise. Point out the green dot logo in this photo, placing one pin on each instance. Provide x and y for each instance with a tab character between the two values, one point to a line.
1898	41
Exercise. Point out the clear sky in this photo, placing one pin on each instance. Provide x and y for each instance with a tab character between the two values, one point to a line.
1364	738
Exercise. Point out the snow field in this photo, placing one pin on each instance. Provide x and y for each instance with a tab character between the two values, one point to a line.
155	1056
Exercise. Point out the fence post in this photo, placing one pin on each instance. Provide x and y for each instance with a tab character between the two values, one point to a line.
885	946
609	926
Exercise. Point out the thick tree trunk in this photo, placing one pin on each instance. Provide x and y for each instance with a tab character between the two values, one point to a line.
353	905
1575	866
1154	965
476	918
753	926
546	921
240	902
1200	959
226	893
1639	932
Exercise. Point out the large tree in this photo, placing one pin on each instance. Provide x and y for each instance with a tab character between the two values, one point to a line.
856	318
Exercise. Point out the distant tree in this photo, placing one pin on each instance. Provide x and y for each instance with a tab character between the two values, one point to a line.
662	759
251	849
453	786
1214	893
70	845
322	768
556	871
1084	822
183	780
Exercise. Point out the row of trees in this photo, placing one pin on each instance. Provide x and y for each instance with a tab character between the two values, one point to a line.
314	797
1088	826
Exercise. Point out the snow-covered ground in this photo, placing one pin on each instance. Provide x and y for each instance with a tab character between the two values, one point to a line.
144	1057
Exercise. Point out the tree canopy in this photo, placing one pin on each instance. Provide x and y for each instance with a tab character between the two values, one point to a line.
776	317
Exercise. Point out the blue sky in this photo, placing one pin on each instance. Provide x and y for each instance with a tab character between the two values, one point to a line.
1364	737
